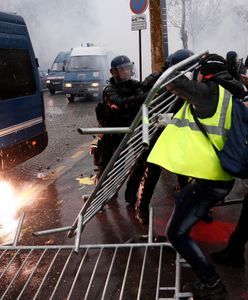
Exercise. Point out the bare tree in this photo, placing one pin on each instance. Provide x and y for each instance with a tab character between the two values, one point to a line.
192	17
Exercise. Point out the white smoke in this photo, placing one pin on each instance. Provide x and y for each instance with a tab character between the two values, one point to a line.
231	34
227	32
59	25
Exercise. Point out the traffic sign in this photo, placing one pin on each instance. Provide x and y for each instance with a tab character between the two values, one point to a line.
138	22
138	6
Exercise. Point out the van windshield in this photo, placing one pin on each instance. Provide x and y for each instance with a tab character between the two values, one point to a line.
88	62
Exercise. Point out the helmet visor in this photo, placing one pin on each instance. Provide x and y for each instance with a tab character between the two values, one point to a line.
124	71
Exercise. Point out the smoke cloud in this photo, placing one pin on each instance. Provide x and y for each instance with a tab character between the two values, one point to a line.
227	32
59	25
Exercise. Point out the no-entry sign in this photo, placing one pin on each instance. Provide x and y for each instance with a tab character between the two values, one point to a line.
138	6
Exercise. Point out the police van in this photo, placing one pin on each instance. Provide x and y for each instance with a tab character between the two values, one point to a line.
87	72
55	77
22	117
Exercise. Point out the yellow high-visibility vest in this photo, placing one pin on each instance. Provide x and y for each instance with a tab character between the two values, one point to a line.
182	148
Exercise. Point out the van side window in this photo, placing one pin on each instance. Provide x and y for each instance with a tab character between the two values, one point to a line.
57	66
16	74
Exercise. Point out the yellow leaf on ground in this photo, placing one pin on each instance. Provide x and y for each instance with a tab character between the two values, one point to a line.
86	180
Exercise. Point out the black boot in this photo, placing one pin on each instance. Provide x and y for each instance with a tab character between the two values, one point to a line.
213	289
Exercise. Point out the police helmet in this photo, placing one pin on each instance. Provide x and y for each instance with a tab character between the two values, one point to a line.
179	56
231	56
121	68
120	61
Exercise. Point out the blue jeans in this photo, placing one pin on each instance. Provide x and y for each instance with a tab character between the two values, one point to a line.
191	204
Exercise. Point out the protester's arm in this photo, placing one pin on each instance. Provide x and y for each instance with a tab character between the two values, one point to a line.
203	95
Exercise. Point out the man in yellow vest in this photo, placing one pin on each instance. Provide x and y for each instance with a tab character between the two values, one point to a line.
182	148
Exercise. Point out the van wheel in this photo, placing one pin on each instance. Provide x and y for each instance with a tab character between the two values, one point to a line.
52	92
71	98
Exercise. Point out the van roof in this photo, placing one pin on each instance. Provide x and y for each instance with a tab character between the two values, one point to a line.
9	17
88	51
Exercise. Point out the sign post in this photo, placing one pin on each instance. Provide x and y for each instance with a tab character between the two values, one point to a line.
139	23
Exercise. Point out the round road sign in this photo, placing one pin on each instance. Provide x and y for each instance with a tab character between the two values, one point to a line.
138	6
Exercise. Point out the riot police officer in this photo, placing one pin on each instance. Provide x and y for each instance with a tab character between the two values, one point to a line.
122	99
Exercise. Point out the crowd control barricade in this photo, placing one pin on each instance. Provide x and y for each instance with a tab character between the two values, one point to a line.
100	271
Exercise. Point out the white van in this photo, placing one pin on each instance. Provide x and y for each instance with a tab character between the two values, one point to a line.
87	72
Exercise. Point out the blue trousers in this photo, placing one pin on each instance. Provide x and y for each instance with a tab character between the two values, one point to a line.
191	204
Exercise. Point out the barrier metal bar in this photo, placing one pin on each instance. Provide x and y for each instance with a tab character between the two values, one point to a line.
159	273
108	276
77	274
142	274
78	236
150	225
230	202
93	274
61	275
145	126
126	272
18	231
104	130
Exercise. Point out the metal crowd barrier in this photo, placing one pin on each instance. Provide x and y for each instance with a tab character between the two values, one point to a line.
118	271
102	271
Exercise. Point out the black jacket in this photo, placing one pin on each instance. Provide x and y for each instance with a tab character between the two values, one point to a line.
122	101
204	95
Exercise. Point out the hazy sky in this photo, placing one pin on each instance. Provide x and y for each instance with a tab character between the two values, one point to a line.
56	25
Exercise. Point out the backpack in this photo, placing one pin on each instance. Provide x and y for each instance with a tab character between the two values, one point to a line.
234	155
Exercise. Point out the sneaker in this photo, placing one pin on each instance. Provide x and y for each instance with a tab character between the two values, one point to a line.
142	215
208	290
228	258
